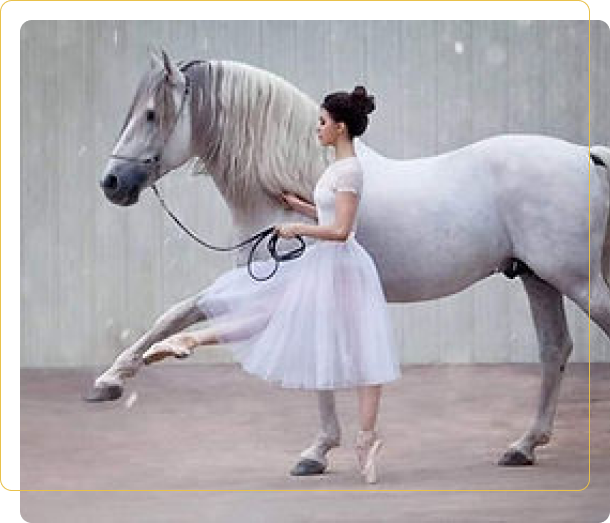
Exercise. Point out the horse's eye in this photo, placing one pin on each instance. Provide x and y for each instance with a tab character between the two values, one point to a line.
150	115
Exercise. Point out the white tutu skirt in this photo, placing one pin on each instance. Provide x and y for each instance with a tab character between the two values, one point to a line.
321	322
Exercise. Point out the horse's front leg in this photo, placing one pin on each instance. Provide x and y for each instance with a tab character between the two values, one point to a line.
555	344
109	385
313	459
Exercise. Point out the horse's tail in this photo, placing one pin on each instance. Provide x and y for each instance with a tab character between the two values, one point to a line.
600	156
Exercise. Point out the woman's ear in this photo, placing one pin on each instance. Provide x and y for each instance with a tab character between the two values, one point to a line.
341	128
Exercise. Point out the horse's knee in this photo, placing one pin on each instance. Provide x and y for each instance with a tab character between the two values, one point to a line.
556	355
597	302
600	308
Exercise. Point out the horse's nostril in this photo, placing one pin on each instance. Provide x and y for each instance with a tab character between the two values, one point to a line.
110	183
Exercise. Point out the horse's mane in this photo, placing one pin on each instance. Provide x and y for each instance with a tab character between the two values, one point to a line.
265	135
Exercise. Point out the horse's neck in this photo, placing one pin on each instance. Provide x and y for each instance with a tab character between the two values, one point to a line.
241	135
249	149
247	224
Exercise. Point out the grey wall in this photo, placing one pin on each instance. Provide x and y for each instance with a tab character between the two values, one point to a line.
95	276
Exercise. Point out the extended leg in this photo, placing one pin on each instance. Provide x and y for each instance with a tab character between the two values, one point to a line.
546	305
183	344
109	386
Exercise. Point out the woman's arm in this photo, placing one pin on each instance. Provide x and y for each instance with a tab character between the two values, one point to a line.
346	205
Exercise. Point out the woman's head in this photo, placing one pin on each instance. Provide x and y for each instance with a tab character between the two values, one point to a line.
344	114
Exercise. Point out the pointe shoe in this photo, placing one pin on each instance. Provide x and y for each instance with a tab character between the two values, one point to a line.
368	445
164	349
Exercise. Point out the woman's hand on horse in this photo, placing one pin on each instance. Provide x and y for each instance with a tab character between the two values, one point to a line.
282	198
291	201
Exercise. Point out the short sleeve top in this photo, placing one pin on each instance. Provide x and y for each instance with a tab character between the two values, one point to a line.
342	175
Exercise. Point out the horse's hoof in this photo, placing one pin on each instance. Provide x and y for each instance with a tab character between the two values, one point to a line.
108	393
307	467
515	458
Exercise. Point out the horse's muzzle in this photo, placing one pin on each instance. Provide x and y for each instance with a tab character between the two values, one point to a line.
123	183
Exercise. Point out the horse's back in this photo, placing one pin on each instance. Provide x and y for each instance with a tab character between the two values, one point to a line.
467	211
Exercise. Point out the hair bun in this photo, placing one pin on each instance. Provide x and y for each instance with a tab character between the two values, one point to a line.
362	100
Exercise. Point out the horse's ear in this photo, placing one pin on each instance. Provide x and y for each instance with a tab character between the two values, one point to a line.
172	73
156	62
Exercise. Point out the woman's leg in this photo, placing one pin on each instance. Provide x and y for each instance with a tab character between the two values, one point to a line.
368	406
367	440
182	345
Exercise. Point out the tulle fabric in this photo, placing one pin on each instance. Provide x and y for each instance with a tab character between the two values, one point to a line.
321	322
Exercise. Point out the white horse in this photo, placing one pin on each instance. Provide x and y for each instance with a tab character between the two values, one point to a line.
513	204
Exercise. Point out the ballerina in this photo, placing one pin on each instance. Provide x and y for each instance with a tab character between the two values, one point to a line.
322	321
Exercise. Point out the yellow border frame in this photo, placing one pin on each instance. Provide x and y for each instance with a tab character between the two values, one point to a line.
15	12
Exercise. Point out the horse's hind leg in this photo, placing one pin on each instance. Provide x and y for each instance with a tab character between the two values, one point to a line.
600	299
109	386
555	344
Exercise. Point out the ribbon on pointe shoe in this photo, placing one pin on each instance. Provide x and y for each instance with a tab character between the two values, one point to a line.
368	445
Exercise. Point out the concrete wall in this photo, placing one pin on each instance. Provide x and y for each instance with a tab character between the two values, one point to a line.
95	276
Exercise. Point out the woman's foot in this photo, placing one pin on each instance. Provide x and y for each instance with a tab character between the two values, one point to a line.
176	346
368	445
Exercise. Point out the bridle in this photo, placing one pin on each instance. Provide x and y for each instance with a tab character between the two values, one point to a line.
153	165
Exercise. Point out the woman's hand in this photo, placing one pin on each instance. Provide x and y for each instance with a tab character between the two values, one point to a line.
287	230
293	202
289	200
284	202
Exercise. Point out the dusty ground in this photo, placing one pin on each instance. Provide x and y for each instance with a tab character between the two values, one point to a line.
215	427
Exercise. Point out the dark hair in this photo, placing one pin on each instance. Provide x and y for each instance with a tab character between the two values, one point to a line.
350	108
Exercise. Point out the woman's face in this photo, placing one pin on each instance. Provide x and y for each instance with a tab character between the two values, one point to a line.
327	129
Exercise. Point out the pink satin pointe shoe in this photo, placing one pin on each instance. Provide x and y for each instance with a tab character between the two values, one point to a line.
368	445
164	349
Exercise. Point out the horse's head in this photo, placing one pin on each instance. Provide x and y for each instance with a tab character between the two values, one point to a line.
156	135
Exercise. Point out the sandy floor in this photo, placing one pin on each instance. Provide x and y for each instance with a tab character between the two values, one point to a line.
215	427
